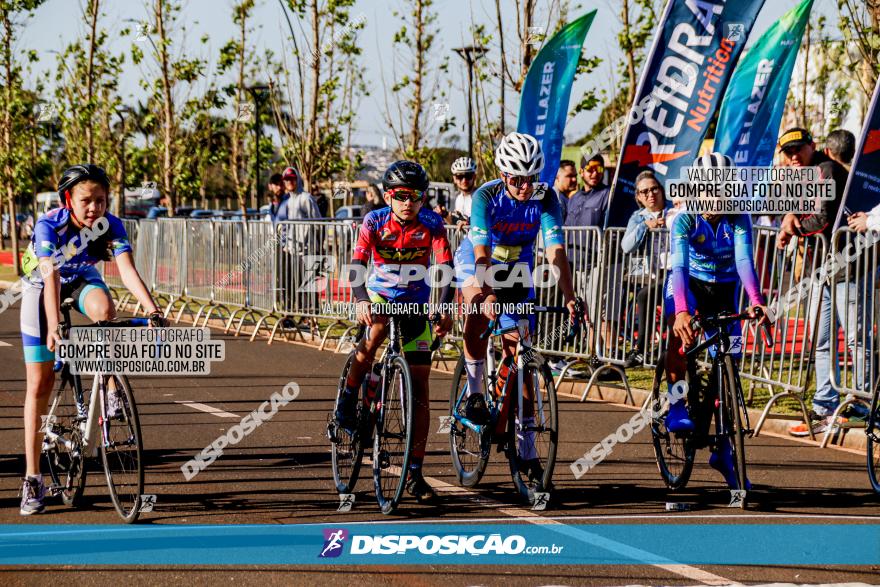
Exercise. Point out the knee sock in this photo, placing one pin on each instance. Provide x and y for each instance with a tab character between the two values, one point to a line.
475	375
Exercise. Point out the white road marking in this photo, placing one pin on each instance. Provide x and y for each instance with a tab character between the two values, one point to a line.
613	517
4	343
209	409
687	571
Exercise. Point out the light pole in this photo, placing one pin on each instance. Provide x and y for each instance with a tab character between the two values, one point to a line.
260	94
470	55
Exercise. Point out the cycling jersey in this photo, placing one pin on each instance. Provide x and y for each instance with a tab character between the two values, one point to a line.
721	255
509	227
393	245
56	232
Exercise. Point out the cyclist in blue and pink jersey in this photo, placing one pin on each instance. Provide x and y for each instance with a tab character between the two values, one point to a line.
507	215
396	238
711	255
60	263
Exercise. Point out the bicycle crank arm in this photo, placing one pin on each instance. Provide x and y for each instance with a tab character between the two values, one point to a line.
60	439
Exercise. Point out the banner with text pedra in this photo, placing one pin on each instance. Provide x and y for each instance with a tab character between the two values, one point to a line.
696	49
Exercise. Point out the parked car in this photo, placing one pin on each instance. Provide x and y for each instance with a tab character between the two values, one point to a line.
349	212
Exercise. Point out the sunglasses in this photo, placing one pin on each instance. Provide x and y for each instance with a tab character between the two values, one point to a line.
407	195
520	181
594	166
651	190
464	176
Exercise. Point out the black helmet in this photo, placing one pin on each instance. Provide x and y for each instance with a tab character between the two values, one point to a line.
77	173
405	174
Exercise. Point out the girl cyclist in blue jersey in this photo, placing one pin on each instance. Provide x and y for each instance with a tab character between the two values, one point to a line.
711	256
506	216
59	263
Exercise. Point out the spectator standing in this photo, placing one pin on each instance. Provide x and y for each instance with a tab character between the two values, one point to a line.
799	150
299	204
374	200
840	146
276	191
651	199
566	183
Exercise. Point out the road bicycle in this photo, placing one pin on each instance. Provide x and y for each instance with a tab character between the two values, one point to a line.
384	420
471	442
80	423
720	396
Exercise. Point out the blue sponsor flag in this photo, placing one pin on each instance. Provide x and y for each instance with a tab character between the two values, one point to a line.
690	64
543	107
862	191
751	112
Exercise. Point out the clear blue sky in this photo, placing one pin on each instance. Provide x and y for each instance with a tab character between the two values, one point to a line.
58	22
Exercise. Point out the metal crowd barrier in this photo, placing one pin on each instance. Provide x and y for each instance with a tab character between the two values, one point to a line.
854	308
785	278
296	269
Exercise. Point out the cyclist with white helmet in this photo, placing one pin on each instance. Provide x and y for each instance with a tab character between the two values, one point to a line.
711	255
464	174
507	215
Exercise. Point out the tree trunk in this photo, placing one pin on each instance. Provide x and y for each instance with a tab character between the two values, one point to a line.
309	162
416	113
167	111
8	171
629	53
503	65
90	82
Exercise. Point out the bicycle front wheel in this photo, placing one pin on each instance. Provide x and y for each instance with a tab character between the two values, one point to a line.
347	448
532	440
674	452
392	441
468	448
65	455
121	449
736	432
873	448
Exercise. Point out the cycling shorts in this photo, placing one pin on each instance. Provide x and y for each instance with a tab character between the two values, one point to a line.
415	334
512	294
708	299
33	311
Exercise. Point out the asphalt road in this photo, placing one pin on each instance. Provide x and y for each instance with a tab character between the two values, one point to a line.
281	474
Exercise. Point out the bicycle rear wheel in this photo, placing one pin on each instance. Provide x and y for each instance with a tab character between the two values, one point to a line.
734	420
873	448
534	438
347	448
66	462
674	452
122	451
392	441
469	449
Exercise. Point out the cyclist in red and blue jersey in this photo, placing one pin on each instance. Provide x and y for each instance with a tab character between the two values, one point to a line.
711	255
396	238
506	216
59	263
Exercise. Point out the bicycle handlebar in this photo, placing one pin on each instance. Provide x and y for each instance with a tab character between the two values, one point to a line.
719	322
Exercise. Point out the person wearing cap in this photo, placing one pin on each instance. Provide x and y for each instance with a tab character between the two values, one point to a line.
587	207
296	204
799	150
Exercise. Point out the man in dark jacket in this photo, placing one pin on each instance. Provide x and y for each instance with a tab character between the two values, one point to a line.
799	150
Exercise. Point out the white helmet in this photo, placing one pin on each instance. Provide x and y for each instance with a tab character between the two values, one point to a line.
519	154
710	160
463	165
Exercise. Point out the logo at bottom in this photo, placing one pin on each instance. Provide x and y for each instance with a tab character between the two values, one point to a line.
333	542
